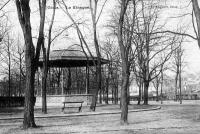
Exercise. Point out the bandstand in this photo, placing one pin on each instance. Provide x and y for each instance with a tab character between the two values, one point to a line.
62	60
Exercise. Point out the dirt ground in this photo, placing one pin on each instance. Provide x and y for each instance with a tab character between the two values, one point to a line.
170	119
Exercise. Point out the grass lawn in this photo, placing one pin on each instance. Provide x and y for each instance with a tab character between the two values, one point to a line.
170	119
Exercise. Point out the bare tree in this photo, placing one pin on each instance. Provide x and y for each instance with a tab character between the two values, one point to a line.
149	46
125	47
112	53
156	83
177	67
4	26
31	55
3	5
196	11
137	66
196	26
7	56
19	62
46	53
95	18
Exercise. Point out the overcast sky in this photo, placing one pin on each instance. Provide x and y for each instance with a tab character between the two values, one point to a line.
171	8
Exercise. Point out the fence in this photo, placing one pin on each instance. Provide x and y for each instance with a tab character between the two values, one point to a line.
12	101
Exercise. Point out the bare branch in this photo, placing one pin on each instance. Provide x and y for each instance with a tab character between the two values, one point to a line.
172	32
4	4
101	11
61	32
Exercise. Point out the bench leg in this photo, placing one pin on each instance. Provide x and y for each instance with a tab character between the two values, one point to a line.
63	107
79	110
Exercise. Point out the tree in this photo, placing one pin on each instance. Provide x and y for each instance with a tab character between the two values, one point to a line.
19	62
178	64
7	57
156	84
95	18
2	5
125	24
196	11
46	53
31	55
112	53
196	26
150	45
124	52
3	20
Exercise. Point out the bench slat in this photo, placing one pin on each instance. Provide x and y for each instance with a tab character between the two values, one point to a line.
70	102
73	102
73	107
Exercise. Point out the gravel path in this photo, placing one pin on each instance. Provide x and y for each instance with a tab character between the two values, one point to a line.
170	119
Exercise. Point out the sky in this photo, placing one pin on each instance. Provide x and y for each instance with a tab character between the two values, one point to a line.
170	8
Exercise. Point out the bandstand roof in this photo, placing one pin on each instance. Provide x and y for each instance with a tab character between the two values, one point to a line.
70	58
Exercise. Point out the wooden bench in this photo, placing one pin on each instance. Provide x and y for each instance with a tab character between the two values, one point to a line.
74	106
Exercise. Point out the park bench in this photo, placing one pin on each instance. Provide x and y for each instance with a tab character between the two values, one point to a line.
72	104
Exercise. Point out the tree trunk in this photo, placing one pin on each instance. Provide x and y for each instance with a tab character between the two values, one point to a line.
29	94
162	87
124	98
45	64
139	96
115	95
95	95
196	10
58	79
125	64
20	76
176	81
180	79
44	87
9	69
140	92
44	81
107	80
112	95
69	80
31	58
117	92
23	11
30	78
128	94
93	9
146	97
100	89
98	70
157	96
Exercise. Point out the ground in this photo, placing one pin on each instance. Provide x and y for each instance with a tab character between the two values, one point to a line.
172	118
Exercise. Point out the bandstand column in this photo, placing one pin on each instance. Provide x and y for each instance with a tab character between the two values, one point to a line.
87	79
62	83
